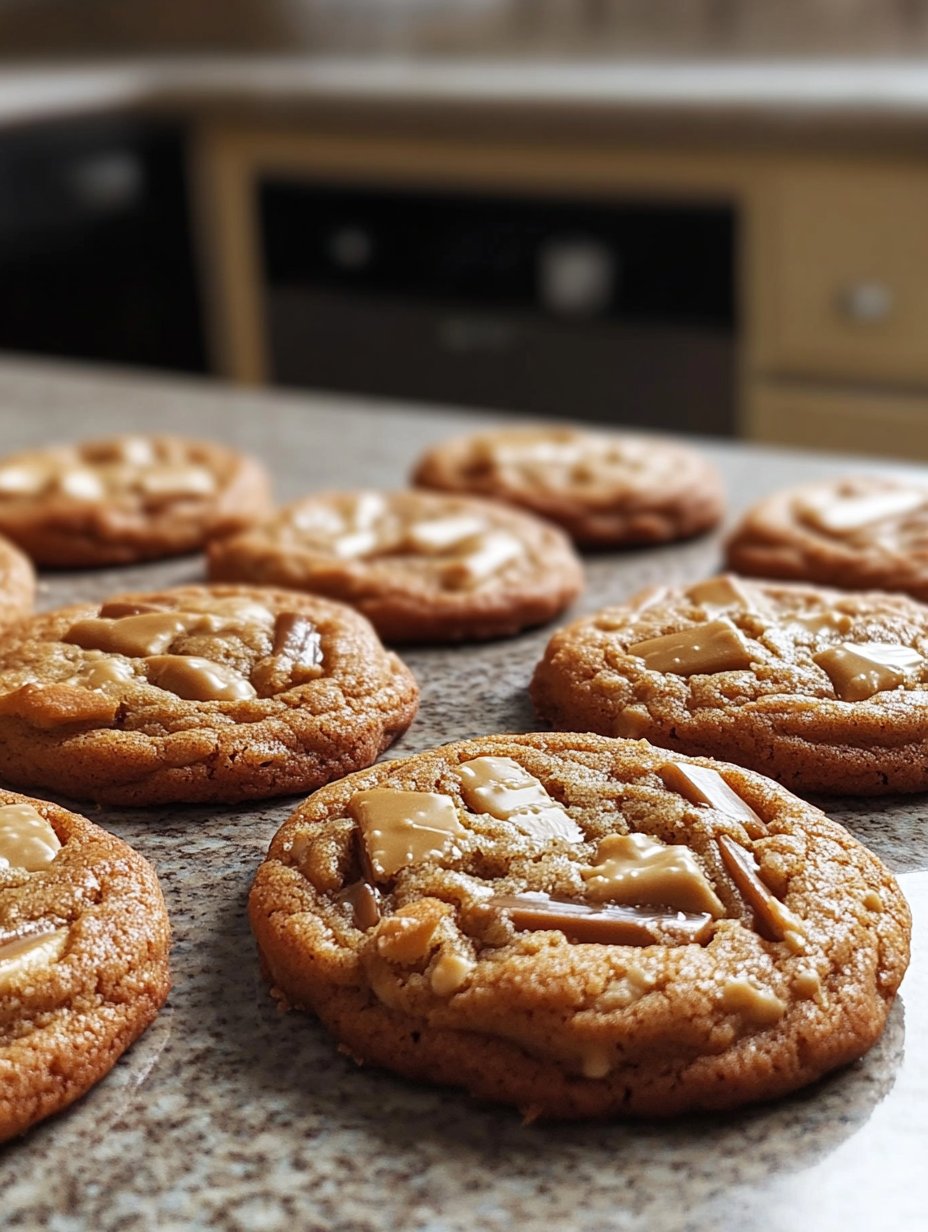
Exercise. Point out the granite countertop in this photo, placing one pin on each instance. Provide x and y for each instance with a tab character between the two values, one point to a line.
853	103
227	1115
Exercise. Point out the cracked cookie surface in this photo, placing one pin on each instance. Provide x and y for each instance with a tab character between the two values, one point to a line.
604	489
84	940
861	533
581	926
197	693
823	690
126	498
419	565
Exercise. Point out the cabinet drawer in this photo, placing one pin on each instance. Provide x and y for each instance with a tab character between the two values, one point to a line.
842	287
884	425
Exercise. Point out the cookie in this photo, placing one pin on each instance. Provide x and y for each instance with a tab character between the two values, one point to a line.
197	694
581	926
822	690
126	499
17	583
419	565
604	489
858	533
84	940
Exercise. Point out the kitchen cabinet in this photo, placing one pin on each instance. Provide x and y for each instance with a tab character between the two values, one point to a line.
831	252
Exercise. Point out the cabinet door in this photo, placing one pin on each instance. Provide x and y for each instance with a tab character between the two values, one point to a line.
884	425
842	286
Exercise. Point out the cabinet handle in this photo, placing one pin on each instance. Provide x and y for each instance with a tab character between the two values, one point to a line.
866	302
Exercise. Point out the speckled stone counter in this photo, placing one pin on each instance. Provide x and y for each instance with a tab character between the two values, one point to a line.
226	1115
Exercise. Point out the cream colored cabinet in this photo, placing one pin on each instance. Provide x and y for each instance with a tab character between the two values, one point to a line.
879	424
832	256
842	274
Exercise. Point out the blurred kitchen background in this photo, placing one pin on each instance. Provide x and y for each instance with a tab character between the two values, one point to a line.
698	215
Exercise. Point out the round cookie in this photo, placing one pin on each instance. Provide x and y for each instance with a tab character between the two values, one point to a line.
419	565
581	926
128	498
823	690
84	940
858	533
197	694
604	489
17	583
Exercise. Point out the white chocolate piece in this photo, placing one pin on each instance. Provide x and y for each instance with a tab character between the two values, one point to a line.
177	481
81	483
16	480
841	514
439	534
487	554
355	543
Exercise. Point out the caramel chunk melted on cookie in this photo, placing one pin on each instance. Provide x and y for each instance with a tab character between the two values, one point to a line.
135	635
95	471
29	954
399	828
364	902
702	785
716	646
605	925
501	787
27	840
148	631
774	919
636	869
859	670
720	593
198	680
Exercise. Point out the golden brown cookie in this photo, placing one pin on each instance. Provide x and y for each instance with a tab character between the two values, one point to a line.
859	533
17	583
419	565
604	489
823	690
84	940
127	498
581	926
197	694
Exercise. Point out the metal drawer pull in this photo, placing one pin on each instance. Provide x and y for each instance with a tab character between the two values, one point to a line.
866	301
